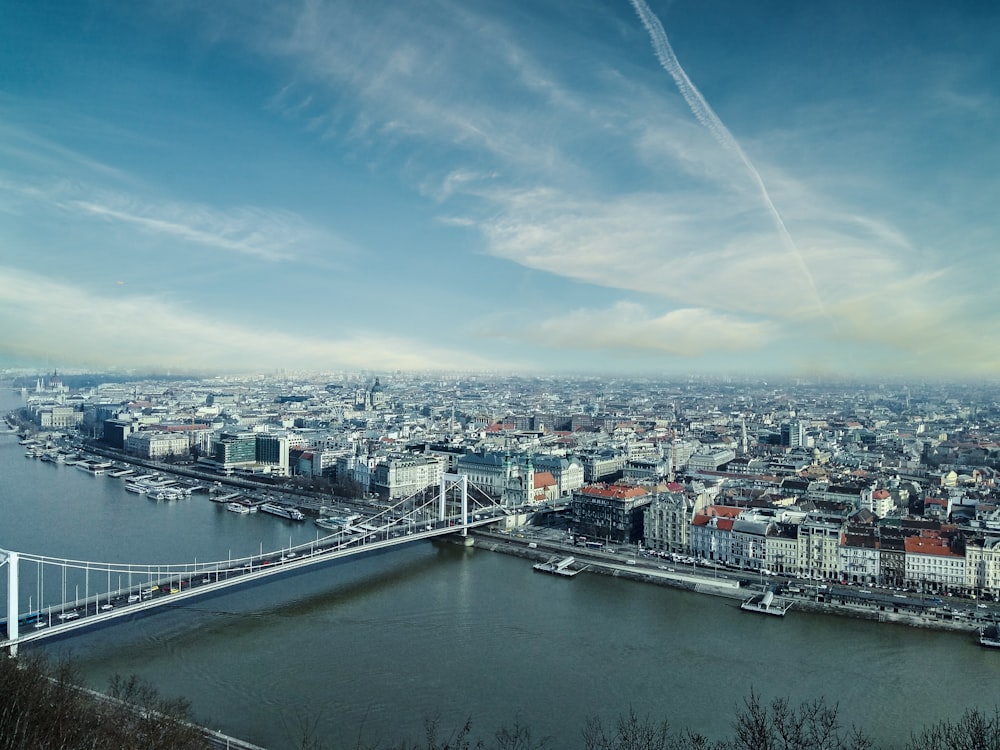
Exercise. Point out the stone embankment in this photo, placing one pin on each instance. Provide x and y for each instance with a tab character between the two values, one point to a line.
604	563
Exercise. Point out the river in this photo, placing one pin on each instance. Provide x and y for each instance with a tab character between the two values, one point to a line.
374	647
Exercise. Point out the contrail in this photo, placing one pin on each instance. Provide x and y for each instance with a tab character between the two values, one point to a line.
711	122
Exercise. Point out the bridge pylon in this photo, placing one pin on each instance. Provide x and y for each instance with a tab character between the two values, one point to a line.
10	559
450	481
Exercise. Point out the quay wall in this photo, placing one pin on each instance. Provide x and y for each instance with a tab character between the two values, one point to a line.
608	564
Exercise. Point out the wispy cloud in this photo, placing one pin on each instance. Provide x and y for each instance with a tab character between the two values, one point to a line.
271	235
267	234
628	326
61	322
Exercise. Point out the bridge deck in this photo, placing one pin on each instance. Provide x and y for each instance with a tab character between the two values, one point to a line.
202	579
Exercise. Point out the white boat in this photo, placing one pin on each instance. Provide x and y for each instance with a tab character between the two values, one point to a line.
765	604
238	507
283	511
336	523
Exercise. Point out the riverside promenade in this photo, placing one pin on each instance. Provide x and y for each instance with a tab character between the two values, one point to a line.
880	605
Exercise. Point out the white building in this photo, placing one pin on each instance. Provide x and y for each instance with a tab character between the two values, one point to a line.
157	445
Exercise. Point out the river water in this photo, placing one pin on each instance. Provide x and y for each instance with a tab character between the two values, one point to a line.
374	647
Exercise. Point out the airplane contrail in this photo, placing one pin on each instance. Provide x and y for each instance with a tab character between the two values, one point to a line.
711	122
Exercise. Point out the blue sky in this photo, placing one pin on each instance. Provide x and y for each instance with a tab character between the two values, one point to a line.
648	187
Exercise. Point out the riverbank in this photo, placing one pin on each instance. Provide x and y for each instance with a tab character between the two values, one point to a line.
827	603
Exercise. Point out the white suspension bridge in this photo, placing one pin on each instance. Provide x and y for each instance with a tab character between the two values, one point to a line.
50	596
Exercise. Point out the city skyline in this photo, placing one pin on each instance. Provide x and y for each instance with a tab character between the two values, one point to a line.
633	187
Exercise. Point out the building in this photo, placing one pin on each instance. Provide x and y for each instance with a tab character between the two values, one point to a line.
57	417
157	445
710	460
667	522
489	471
781	548
568	472
249	453
271	451
711	532
116	432
819	546
793	434
748	542
892	556
859	556
602	465
982	565
646	470
234	449
932	565
612	512
402	475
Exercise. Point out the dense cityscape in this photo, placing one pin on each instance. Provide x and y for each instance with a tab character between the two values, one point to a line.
889	485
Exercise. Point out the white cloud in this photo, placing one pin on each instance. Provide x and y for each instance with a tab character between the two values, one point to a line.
60	322
627	326
268	234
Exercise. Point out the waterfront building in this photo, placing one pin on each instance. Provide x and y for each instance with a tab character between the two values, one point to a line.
859	556
116	432
982	565
156	445
56	416
271	451
235	449
667	522
891	556
711	531
612	512
748	541
781	546
546	488
357	468
932	565
319	462
819	546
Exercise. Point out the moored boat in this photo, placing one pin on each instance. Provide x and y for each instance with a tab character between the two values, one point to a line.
989	636
336	523
283	511
765	604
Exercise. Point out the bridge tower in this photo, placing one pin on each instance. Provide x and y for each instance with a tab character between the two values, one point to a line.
449	481
10	560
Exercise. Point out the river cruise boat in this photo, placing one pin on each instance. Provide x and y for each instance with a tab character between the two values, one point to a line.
283	511
336	523
765	604
238	507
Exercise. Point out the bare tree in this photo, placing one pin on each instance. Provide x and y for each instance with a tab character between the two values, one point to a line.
973	731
